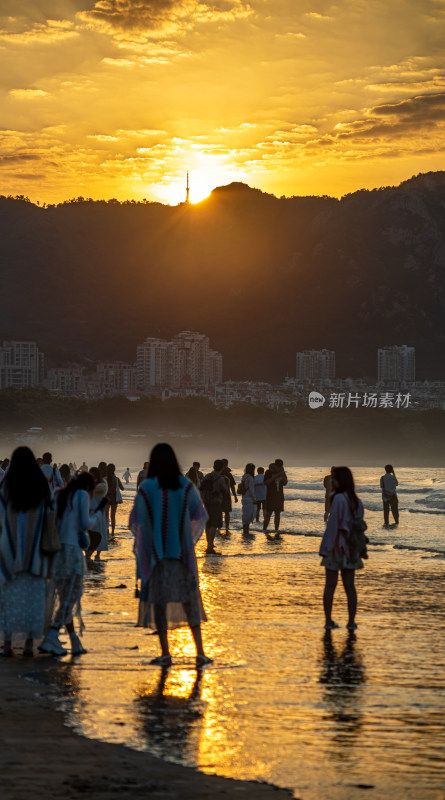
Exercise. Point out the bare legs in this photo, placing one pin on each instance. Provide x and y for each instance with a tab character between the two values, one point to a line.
113	519
160	621
348	578
328	594
266	519
210	536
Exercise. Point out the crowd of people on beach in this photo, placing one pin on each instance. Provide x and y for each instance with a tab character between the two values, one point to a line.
54	517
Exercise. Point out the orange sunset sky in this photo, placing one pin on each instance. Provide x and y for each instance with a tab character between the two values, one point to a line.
118	98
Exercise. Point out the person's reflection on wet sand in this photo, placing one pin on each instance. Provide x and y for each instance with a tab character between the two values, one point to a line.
342	674
171	722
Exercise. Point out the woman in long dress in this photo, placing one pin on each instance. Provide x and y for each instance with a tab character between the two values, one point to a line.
24	500
336	553
167	520
73	520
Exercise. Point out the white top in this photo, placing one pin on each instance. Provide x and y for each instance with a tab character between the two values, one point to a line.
53	477
388	484
248	481
76	518
260	488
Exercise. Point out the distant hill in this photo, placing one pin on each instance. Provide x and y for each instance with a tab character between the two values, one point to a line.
263	277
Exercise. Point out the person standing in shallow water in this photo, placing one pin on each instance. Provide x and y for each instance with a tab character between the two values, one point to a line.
227	501
275	478
214	490
260	492
248	501
167	520
334	549
388	485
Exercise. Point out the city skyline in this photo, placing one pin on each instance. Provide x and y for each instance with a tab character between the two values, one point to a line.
182	363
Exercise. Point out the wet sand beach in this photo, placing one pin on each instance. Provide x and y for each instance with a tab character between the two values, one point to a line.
42	758
324	714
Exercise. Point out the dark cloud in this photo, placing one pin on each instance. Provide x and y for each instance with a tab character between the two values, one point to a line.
133	13
151	14
411	116
19	157
426	107
29	176
41	10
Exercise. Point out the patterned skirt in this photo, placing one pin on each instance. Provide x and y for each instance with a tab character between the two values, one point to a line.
22	606
67	583
341	562
174	589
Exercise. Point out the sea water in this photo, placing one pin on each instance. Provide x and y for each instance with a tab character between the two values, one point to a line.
327	714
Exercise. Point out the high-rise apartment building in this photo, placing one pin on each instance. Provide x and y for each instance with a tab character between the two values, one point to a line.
186	360
315	365
65	381
118	378
396	364
21	365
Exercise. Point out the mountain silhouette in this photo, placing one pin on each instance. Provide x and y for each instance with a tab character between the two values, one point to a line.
263	277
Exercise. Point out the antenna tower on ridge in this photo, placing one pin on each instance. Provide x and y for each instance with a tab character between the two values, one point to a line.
187	191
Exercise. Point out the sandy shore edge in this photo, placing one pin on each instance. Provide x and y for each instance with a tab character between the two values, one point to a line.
42	758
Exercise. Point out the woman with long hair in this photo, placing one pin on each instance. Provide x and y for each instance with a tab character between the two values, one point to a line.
114	496
337	555
73	519
65	474
24	501
167	520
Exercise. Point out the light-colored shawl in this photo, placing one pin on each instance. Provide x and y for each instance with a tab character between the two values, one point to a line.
166	524
339	522
20	534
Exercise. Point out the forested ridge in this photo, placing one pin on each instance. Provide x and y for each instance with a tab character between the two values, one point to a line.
263	277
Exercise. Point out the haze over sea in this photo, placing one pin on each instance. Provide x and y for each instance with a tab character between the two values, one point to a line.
325	714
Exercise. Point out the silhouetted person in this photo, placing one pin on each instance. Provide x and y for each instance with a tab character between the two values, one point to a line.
260	492
65	473
248	499
113	495
214	491
227	502
194	475
275	478
388	485
142	474
327	483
